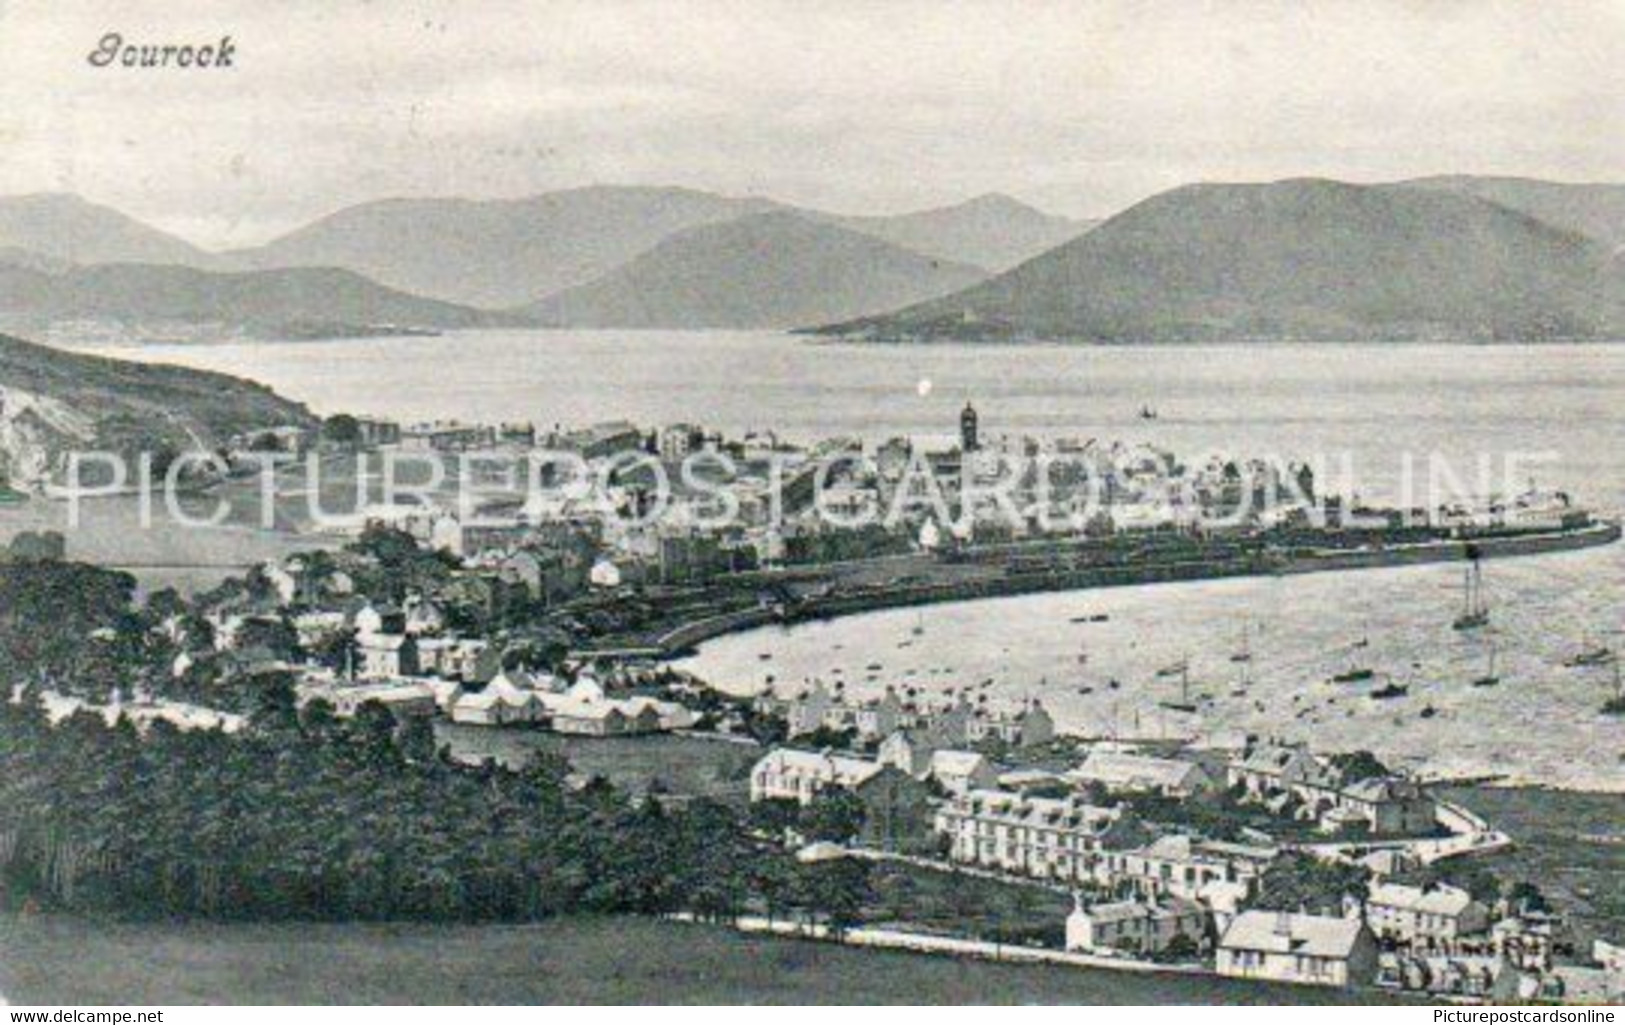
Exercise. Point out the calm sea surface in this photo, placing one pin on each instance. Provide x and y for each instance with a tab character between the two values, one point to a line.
1558	410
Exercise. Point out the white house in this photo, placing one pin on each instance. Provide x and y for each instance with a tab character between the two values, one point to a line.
386	656
403	699
1043	837
1126	772
1434	916
1220	875
960	772
1284	946
1136	926
788	774
500	703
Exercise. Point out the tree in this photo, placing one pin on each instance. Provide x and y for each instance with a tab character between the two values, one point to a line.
833	816
838	889
1300	881
342	429
1359	765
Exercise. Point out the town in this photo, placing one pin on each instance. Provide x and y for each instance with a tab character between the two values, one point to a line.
1260	859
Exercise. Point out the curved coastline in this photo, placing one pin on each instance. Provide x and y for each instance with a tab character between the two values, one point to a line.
682	638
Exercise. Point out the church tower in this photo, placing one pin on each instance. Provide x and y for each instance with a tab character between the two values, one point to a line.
967	430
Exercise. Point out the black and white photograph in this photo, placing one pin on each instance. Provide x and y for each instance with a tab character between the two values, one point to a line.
867	502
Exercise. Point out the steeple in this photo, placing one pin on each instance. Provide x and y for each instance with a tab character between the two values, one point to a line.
968	441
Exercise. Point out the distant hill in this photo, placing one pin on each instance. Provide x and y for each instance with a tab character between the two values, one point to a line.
1293	259
67	228
1594	210
991	231
763	271
52	401
497	253
277	302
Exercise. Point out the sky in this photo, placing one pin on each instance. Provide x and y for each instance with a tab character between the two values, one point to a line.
1081	108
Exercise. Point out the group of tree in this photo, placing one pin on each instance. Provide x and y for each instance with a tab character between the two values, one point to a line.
303	815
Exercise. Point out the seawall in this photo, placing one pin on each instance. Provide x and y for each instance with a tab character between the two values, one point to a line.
696	631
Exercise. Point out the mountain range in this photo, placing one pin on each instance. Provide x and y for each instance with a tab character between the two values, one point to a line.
66	229
53	401
281	302
767	270
1449	257
549	253
1296	259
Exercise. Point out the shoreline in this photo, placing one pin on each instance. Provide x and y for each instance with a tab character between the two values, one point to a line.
680	639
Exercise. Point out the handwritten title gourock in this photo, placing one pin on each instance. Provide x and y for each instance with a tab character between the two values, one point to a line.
112	51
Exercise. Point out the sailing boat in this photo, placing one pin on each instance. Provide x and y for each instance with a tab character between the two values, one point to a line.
1390	690
1489	679
1243	681
1244	651
1591	654
1616	704
919	624
1475	612
1175	668
1184	704
1356	672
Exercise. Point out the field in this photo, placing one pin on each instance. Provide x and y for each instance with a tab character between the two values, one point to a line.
615	961
682	765
962	904
1571	845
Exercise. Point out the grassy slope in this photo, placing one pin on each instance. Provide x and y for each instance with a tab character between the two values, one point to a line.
1583	878
65	961
100	387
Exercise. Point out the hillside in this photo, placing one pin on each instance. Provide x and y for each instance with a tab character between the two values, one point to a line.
66	228
496	253
279	302
764	271
1306	259
1594	210
52	401
991	231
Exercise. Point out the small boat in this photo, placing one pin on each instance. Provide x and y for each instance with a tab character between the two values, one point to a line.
1489	679
1244	650
1113	684
1244	681
1147	413
1086	690
1389	691
1475	611
765	656
1184	704
1355	672
874	667
1428	712
1592	654
1616	704
1100	617
1180	668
